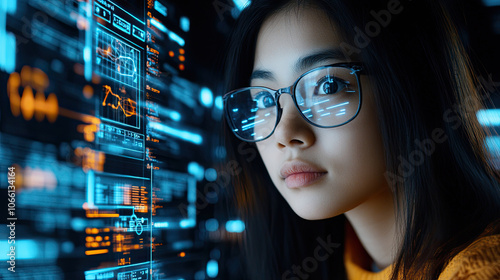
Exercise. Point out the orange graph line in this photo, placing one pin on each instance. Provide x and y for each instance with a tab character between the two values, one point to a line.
130	105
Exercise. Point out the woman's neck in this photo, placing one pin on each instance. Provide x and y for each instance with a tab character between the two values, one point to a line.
374	223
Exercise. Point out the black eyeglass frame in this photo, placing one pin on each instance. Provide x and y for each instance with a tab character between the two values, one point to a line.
356	69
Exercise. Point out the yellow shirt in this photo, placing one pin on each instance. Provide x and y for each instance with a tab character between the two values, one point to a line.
479	261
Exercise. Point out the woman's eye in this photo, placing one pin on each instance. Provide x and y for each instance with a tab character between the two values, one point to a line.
329	85
264	100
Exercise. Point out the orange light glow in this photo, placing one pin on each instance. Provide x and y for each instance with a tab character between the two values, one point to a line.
96	79
39	106
78	68
88	91
171	53
181	67
13	92
39	79
182	254
25	75
182	58
31	104
96	252
78	116
28	103
91	160
181	51
103	215
51	107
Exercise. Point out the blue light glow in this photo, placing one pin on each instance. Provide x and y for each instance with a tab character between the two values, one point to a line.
196	170
322	101
176	116
25	249
10	53
172	35
241	4
492	144
11	6
7	40
212	225
491	3
210	174
219	104
86	54
185	24
181	245
67	247
161	225
160	8
248	126
206	97
212	268
176	38
187	223
78	224
177	133
235	226
341	104
488	117
159	25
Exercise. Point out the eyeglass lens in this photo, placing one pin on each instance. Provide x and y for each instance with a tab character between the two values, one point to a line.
326	97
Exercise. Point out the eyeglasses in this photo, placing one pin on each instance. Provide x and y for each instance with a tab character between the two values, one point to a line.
327	96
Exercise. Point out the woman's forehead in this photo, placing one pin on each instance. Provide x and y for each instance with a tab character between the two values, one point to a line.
288	37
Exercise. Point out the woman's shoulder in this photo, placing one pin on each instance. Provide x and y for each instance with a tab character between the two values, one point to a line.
480	260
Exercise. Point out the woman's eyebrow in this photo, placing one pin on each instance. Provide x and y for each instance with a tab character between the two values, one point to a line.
305	63
262	74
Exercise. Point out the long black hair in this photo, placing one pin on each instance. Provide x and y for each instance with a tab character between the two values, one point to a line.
446	191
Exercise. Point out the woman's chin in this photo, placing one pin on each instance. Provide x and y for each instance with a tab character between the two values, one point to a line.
307	212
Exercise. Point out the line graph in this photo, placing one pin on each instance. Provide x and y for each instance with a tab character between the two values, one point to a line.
117	60
119	105
126	105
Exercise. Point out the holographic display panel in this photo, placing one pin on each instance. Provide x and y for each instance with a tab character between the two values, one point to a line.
102	121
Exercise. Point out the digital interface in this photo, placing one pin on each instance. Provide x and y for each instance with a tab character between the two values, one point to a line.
110	148
108	136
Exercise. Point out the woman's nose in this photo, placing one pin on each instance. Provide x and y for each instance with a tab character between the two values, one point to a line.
292	129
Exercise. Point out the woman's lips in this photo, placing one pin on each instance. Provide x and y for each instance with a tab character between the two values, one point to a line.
304	179
298	173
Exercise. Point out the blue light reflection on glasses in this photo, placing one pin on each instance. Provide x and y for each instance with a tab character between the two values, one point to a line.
248	126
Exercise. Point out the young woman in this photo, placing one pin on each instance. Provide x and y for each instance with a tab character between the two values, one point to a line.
354	124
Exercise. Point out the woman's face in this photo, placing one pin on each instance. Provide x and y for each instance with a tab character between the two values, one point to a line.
321	172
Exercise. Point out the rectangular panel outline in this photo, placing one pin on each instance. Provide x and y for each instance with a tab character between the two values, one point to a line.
108	20
125	156
143	38
127	30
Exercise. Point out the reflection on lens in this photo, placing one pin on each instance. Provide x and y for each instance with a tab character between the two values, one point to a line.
328	96
253	113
